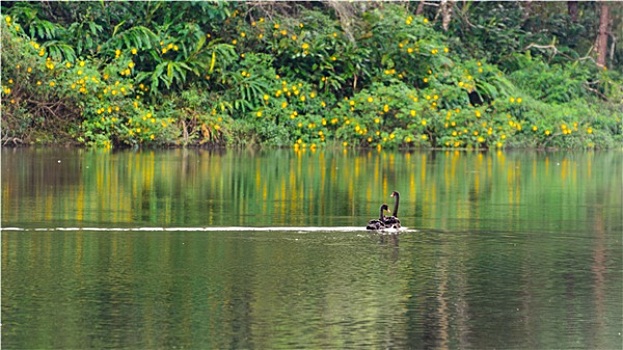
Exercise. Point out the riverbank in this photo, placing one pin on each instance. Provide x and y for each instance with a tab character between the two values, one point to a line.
295	75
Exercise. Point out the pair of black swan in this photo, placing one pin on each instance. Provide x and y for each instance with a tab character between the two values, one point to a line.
386	222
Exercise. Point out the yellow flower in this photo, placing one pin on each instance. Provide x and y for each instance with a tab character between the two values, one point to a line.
386	108
518	100
258	114
589	130
266	97
534	128
52	84
344	143
412	112
377	120
276	26
477	114
512	100
134	51
164	50
423	122
305	46
480	139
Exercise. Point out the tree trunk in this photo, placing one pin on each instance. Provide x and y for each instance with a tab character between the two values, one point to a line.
446	13
572	10
527	10
601	43
420	8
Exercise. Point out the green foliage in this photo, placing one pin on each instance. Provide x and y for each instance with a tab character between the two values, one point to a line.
550	83
215	73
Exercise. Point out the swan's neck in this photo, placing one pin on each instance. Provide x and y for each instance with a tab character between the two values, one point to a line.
381	216
395	213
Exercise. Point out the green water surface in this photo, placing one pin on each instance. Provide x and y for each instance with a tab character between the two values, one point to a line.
266	250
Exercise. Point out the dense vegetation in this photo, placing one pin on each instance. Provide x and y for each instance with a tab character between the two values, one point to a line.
306	74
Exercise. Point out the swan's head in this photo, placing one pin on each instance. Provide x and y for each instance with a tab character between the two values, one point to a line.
395	194
384	207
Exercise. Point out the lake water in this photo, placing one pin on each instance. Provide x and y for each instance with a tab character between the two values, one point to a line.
267	250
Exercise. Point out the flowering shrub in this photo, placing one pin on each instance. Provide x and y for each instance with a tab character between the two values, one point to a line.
230	73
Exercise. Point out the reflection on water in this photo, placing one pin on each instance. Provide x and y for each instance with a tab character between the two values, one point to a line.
440	190
507	250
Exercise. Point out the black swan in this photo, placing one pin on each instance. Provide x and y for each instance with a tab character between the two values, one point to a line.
393	221
378	224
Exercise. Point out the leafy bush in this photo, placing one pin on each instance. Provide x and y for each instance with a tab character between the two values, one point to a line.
213	73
